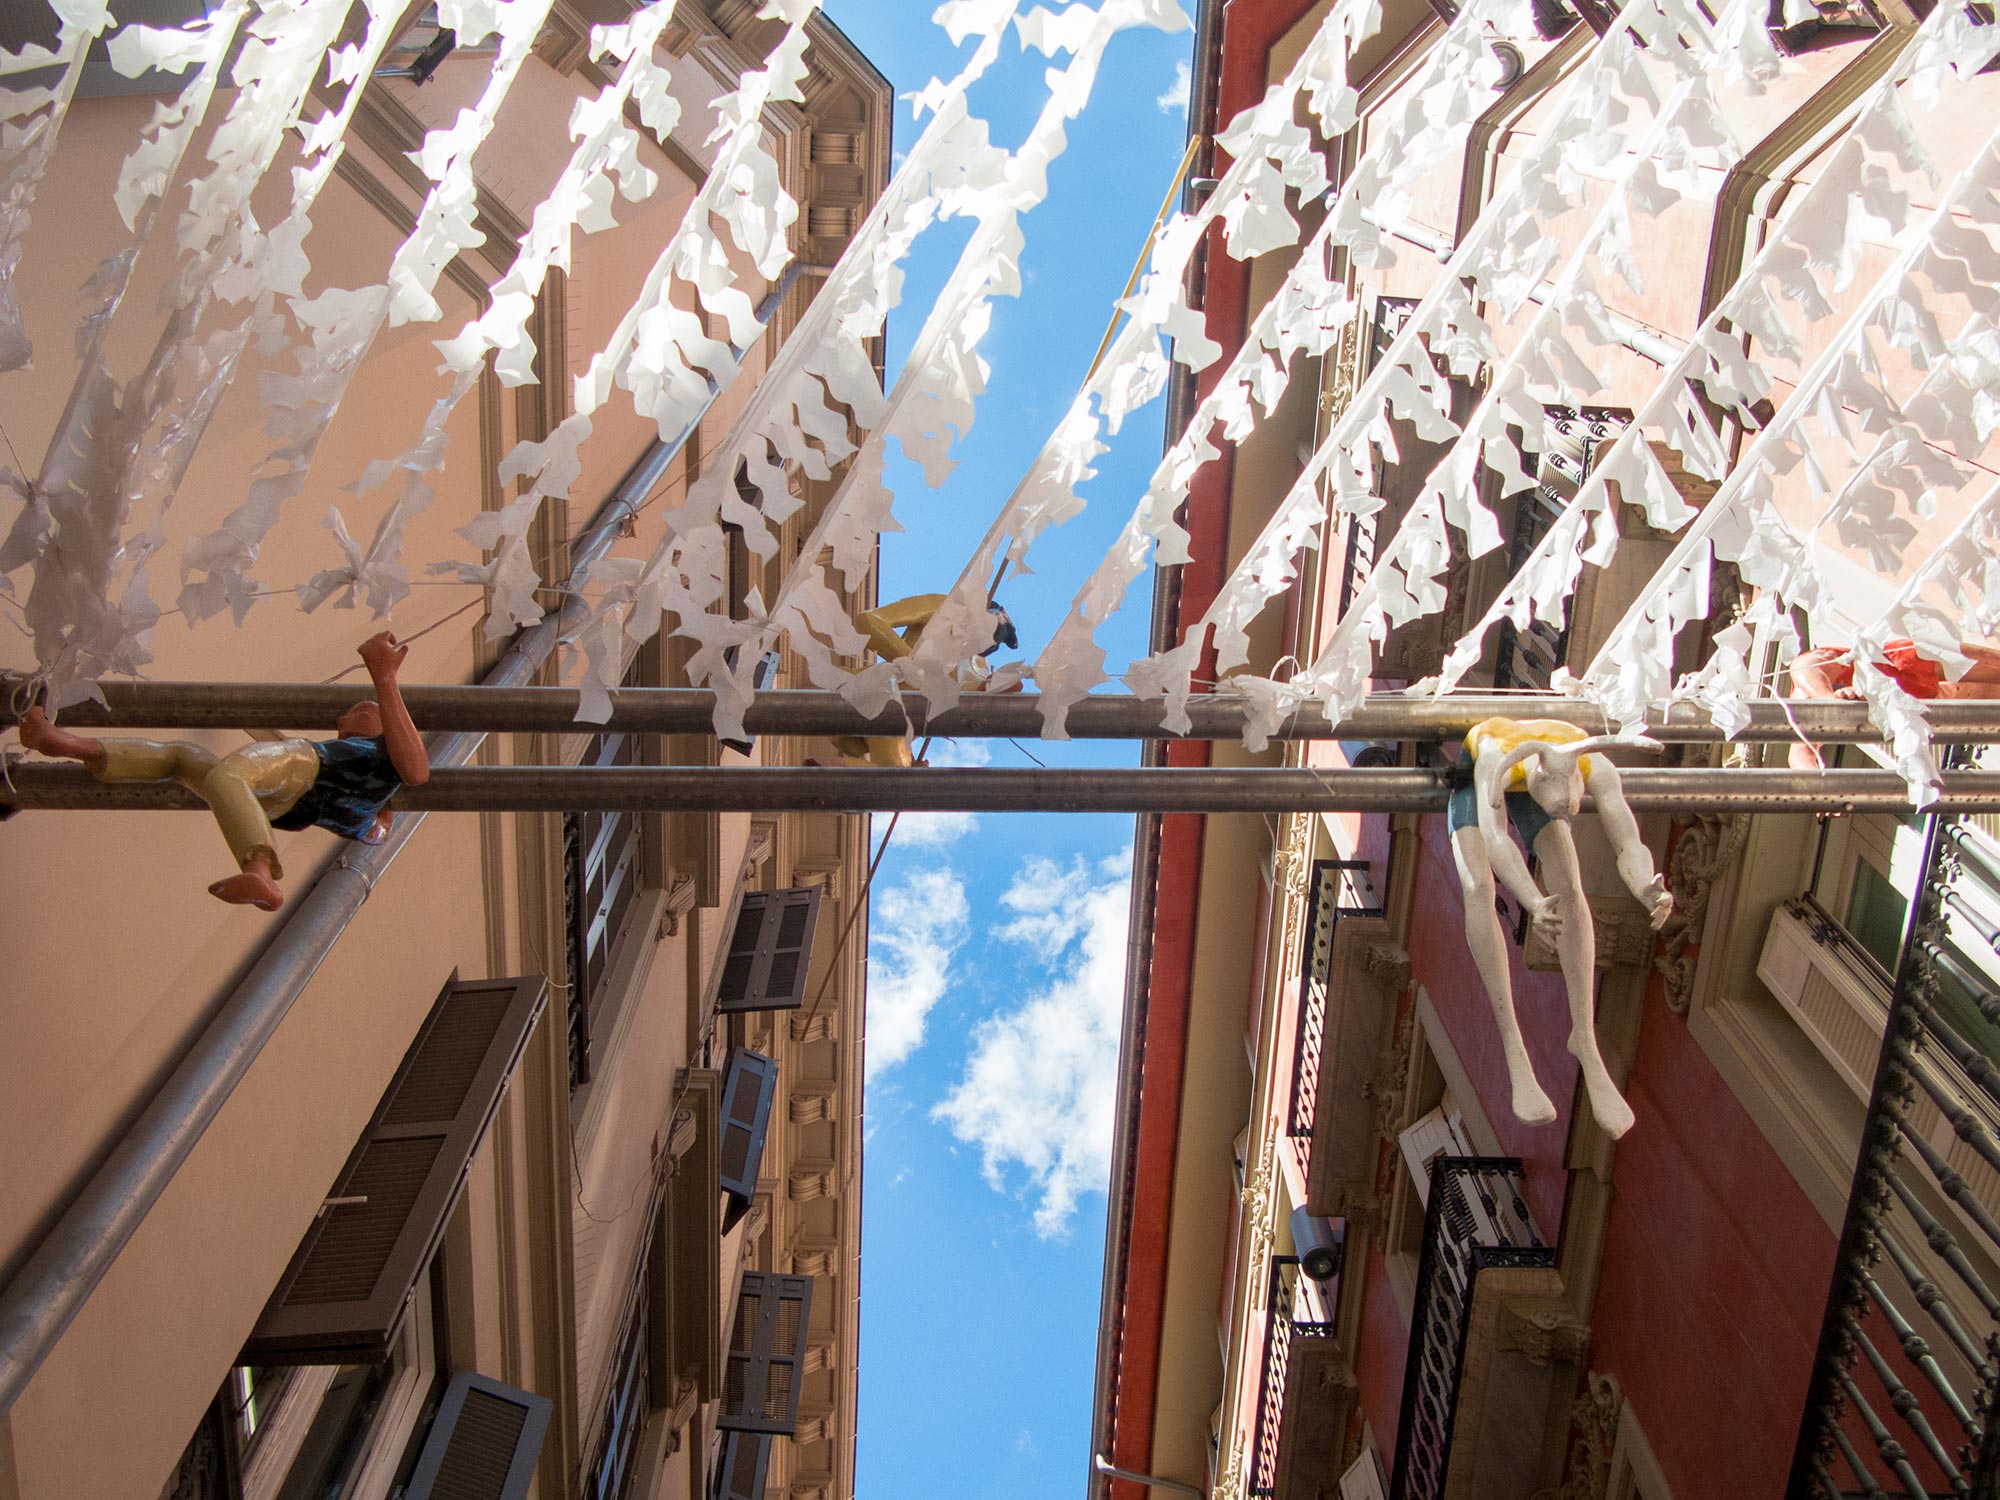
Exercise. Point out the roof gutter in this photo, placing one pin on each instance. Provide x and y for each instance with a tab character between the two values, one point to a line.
42	1299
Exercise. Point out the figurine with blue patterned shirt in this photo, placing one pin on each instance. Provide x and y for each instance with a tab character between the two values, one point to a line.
1531	774
342	784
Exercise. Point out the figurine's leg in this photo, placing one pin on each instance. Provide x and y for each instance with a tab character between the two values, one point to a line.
892	753
243	790
1635	860
1489	954
1576	945
39	735
882	624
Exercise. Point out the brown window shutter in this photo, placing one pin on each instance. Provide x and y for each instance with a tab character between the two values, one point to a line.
770	951
749	1089
483	1445
746	1456
767	1354
341	1299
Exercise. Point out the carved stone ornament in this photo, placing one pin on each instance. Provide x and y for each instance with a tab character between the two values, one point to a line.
1388	965
1706	850
1544	1335
1593	1431
1624	935
680	901
1385	1091
811	1182
811	1106
817	1028
681	1411
1230	1485
813	1259
1291	873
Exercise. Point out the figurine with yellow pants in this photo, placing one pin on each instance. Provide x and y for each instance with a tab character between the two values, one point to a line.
341	784
893	631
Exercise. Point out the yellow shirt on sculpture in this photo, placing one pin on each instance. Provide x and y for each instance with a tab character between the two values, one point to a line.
1497	736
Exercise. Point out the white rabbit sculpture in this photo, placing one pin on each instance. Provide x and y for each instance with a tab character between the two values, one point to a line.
1532	774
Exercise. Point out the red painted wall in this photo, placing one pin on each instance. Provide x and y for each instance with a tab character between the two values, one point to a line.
1715	1268
1715	1275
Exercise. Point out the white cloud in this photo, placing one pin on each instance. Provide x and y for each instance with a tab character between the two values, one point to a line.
934	830
1178	92
1037	1091
916	928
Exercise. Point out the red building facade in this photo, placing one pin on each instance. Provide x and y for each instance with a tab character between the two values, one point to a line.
1307	1033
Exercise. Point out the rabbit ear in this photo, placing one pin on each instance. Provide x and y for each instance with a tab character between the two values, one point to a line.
1602	742
1528	750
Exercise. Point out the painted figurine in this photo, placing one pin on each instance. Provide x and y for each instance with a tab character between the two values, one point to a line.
1532	774
893	631
1828	672
340	784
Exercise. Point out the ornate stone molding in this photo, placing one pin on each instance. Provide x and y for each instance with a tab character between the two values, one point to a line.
1545	1334
680	901
817	1028
1624	935
1291	872
814	1257
1592	1435
1708	847
811	1105
813	1180
1388	965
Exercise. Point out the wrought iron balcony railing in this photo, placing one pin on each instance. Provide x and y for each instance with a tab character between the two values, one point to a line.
1291	1313
1339	888
1905	1390
1474	1220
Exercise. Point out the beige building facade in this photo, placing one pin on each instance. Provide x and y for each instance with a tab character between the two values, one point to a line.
533	1190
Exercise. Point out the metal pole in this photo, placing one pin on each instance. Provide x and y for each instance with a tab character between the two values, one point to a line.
1065	789
499	708
44	1296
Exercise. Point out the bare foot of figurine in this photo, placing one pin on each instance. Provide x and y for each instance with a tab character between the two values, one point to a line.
39	735
1612	1112
1531	1105
253	887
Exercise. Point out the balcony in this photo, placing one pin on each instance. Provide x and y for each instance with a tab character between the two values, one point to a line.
1348	976
1905	1391
1476	1412
1306	1392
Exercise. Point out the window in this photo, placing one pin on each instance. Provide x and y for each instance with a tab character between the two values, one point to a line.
627	1403
770	951
603	874
749	1089
1572	440
767	1354
343	1374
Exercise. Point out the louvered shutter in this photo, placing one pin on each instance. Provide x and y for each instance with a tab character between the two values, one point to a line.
483	1445
748	1091
767	1354
746	1456
769	951
341	1299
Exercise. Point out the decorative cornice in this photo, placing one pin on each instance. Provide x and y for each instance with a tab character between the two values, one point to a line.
1709	845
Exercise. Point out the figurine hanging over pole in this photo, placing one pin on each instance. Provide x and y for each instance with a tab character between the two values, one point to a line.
893	631
1540	767
340	784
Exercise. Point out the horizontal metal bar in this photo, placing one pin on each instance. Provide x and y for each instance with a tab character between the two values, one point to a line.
959	789
1384	716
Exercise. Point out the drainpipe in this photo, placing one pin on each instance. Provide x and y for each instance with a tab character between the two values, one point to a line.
44	1296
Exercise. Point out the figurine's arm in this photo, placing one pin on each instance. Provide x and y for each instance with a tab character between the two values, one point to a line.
1508	863
1635	860
383	657
1812	674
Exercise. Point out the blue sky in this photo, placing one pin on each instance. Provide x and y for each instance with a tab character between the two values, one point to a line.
997	959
